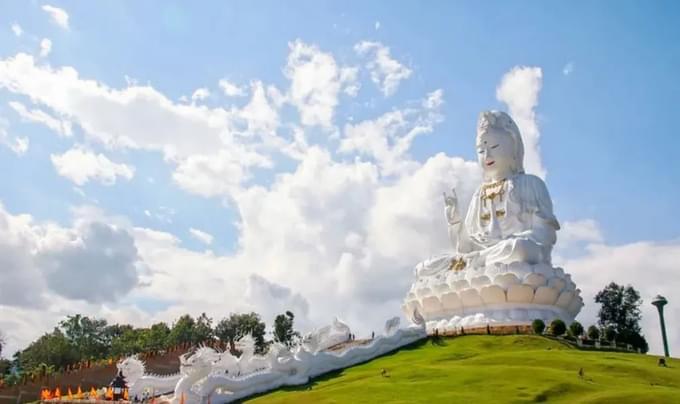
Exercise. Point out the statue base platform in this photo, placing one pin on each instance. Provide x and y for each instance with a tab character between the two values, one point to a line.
499	295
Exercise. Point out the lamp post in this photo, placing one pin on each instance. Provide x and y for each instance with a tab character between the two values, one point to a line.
660	301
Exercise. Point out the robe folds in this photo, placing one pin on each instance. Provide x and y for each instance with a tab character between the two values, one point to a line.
518	225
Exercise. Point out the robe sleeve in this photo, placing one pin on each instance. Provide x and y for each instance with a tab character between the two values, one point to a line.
542	203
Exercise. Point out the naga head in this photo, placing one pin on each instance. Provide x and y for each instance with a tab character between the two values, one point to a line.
131	367
200	360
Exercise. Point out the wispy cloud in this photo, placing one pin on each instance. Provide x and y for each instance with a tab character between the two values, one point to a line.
58	15
16	28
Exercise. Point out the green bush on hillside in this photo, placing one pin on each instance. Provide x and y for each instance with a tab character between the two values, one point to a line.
557	327
593	333
575	329
538	326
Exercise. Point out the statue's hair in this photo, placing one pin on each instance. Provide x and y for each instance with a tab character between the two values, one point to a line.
501	122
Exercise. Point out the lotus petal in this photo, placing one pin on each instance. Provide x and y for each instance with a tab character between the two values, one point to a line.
557	283
470	298
451	301
441	288
520	294
480	281
534	280
545	295
544	269
564	299
505	280
431	304
492	294
461	284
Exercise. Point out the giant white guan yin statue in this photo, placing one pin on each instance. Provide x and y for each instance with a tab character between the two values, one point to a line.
500	270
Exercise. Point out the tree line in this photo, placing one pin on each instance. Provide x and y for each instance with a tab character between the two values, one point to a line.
79	339
618	320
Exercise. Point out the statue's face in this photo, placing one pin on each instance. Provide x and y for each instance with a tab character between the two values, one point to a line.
495	152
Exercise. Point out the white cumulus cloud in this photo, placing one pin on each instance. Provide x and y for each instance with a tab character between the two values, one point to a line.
80	166
45	47
200	94
17	30
230	89
386	72
388	137
316	81
18	145
203	237
62	127
141	117
519	89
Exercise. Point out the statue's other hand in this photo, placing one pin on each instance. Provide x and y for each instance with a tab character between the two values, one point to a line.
450	201
472	258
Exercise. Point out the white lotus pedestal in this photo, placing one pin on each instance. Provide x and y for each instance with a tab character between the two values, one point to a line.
497	295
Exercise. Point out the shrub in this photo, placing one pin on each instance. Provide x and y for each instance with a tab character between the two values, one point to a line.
575	329
609	334
557	327
538	326
593	333
635	339
570	338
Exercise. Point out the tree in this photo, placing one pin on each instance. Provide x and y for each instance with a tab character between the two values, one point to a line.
283	329
203	330
620	312
128	343
593	333
236	326
182	331
53	349
155	338
557	327
87	334
620	307
5	367
609	334
575	329
113	331
538	326
2	342
637	340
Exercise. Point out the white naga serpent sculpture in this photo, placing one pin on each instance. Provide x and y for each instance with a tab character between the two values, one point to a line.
207	375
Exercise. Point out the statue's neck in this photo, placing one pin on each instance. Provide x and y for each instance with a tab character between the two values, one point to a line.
496	178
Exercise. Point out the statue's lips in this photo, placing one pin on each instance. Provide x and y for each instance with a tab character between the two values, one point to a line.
489	163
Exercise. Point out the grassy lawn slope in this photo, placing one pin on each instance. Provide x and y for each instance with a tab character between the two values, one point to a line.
493	369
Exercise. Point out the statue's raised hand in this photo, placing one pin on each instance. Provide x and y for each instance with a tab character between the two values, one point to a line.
451	201
451	207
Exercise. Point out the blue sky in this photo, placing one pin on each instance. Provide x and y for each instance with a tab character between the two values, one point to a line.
606	107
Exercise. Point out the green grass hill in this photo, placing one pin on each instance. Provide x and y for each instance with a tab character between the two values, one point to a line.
493	369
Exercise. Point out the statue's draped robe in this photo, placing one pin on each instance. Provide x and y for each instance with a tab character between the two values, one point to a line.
517	226
525	231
